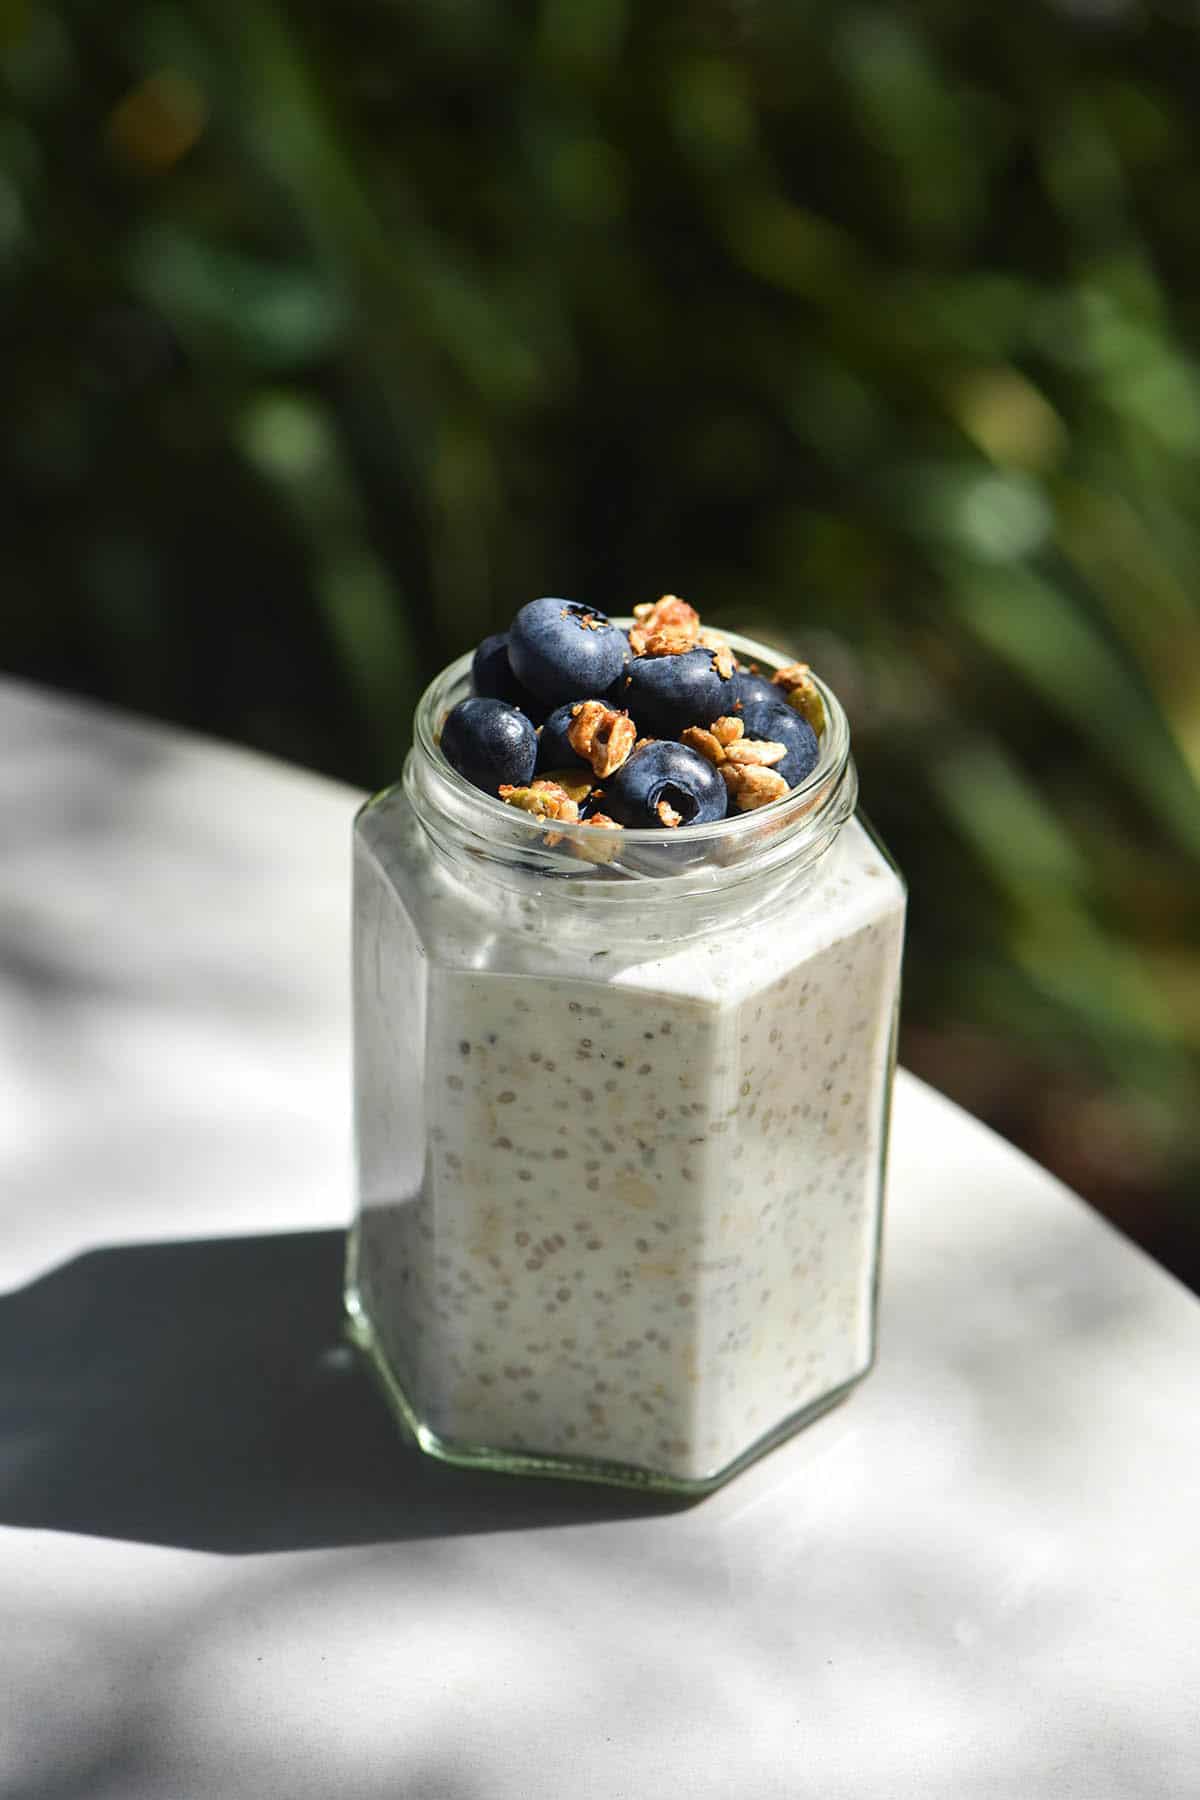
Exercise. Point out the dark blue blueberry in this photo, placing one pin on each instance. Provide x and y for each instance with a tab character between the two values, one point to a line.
775	721
492	677
554	748
666	694
754	687
558	648
663	773
489	742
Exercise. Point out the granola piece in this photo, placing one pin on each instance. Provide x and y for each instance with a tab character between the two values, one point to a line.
712	640
722	662
668	816
542	799
667	640
665	627
600	734
752	785
669	609
802	694
603	820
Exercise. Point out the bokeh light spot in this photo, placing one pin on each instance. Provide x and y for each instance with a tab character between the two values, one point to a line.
157	122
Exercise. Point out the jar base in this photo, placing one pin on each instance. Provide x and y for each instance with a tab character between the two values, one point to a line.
361	1334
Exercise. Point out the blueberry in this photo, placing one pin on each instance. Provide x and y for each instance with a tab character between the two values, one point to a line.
775	721
667	776
754	687
554	749
666	694
489	742
558	648
492	677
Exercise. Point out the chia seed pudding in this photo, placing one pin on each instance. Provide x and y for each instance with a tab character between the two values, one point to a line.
621	1114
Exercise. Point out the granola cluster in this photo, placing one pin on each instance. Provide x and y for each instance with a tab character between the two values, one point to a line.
601	735
745	764
665	627
543	799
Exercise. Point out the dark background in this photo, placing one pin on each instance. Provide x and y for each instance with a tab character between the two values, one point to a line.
332	333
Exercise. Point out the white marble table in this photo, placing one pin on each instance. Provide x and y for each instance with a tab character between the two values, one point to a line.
221	1575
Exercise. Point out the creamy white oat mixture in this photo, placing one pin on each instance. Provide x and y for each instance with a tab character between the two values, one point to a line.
631	1216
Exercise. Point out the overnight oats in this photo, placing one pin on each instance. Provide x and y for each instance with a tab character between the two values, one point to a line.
626	976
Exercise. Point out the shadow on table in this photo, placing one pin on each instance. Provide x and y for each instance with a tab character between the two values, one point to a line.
198	1394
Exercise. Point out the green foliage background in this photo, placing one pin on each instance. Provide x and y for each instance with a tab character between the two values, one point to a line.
333	333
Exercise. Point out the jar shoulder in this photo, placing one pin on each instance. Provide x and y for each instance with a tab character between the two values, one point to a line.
462	926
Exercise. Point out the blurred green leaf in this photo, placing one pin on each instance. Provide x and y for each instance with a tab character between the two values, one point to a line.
1007	823
273	315
1039	632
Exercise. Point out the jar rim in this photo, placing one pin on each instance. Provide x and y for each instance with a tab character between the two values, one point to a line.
461	816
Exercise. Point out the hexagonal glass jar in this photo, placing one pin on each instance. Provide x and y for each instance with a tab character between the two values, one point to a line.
621	1108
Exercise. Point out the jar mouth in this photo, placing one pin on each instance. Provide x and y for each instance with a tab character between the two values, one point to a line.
463	817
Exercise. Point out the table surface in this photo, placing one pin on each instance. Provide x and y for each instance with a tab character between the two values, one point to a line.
221	1572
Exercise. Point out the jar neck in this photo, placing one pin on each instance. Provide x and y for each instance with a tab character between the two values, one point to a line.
612	881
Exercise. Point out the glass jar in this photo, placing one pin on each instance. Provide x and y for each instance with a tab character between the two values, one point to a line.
621	1109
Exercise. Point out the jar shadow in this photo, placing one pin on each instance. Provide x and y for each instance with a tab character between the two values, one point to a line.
199	1394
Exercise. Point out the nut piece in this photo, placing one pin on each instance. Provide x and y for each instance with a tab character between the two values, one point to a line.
601	735
725	742
760	752
752	785
706	743
802	694
665	627
668	640
543	799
